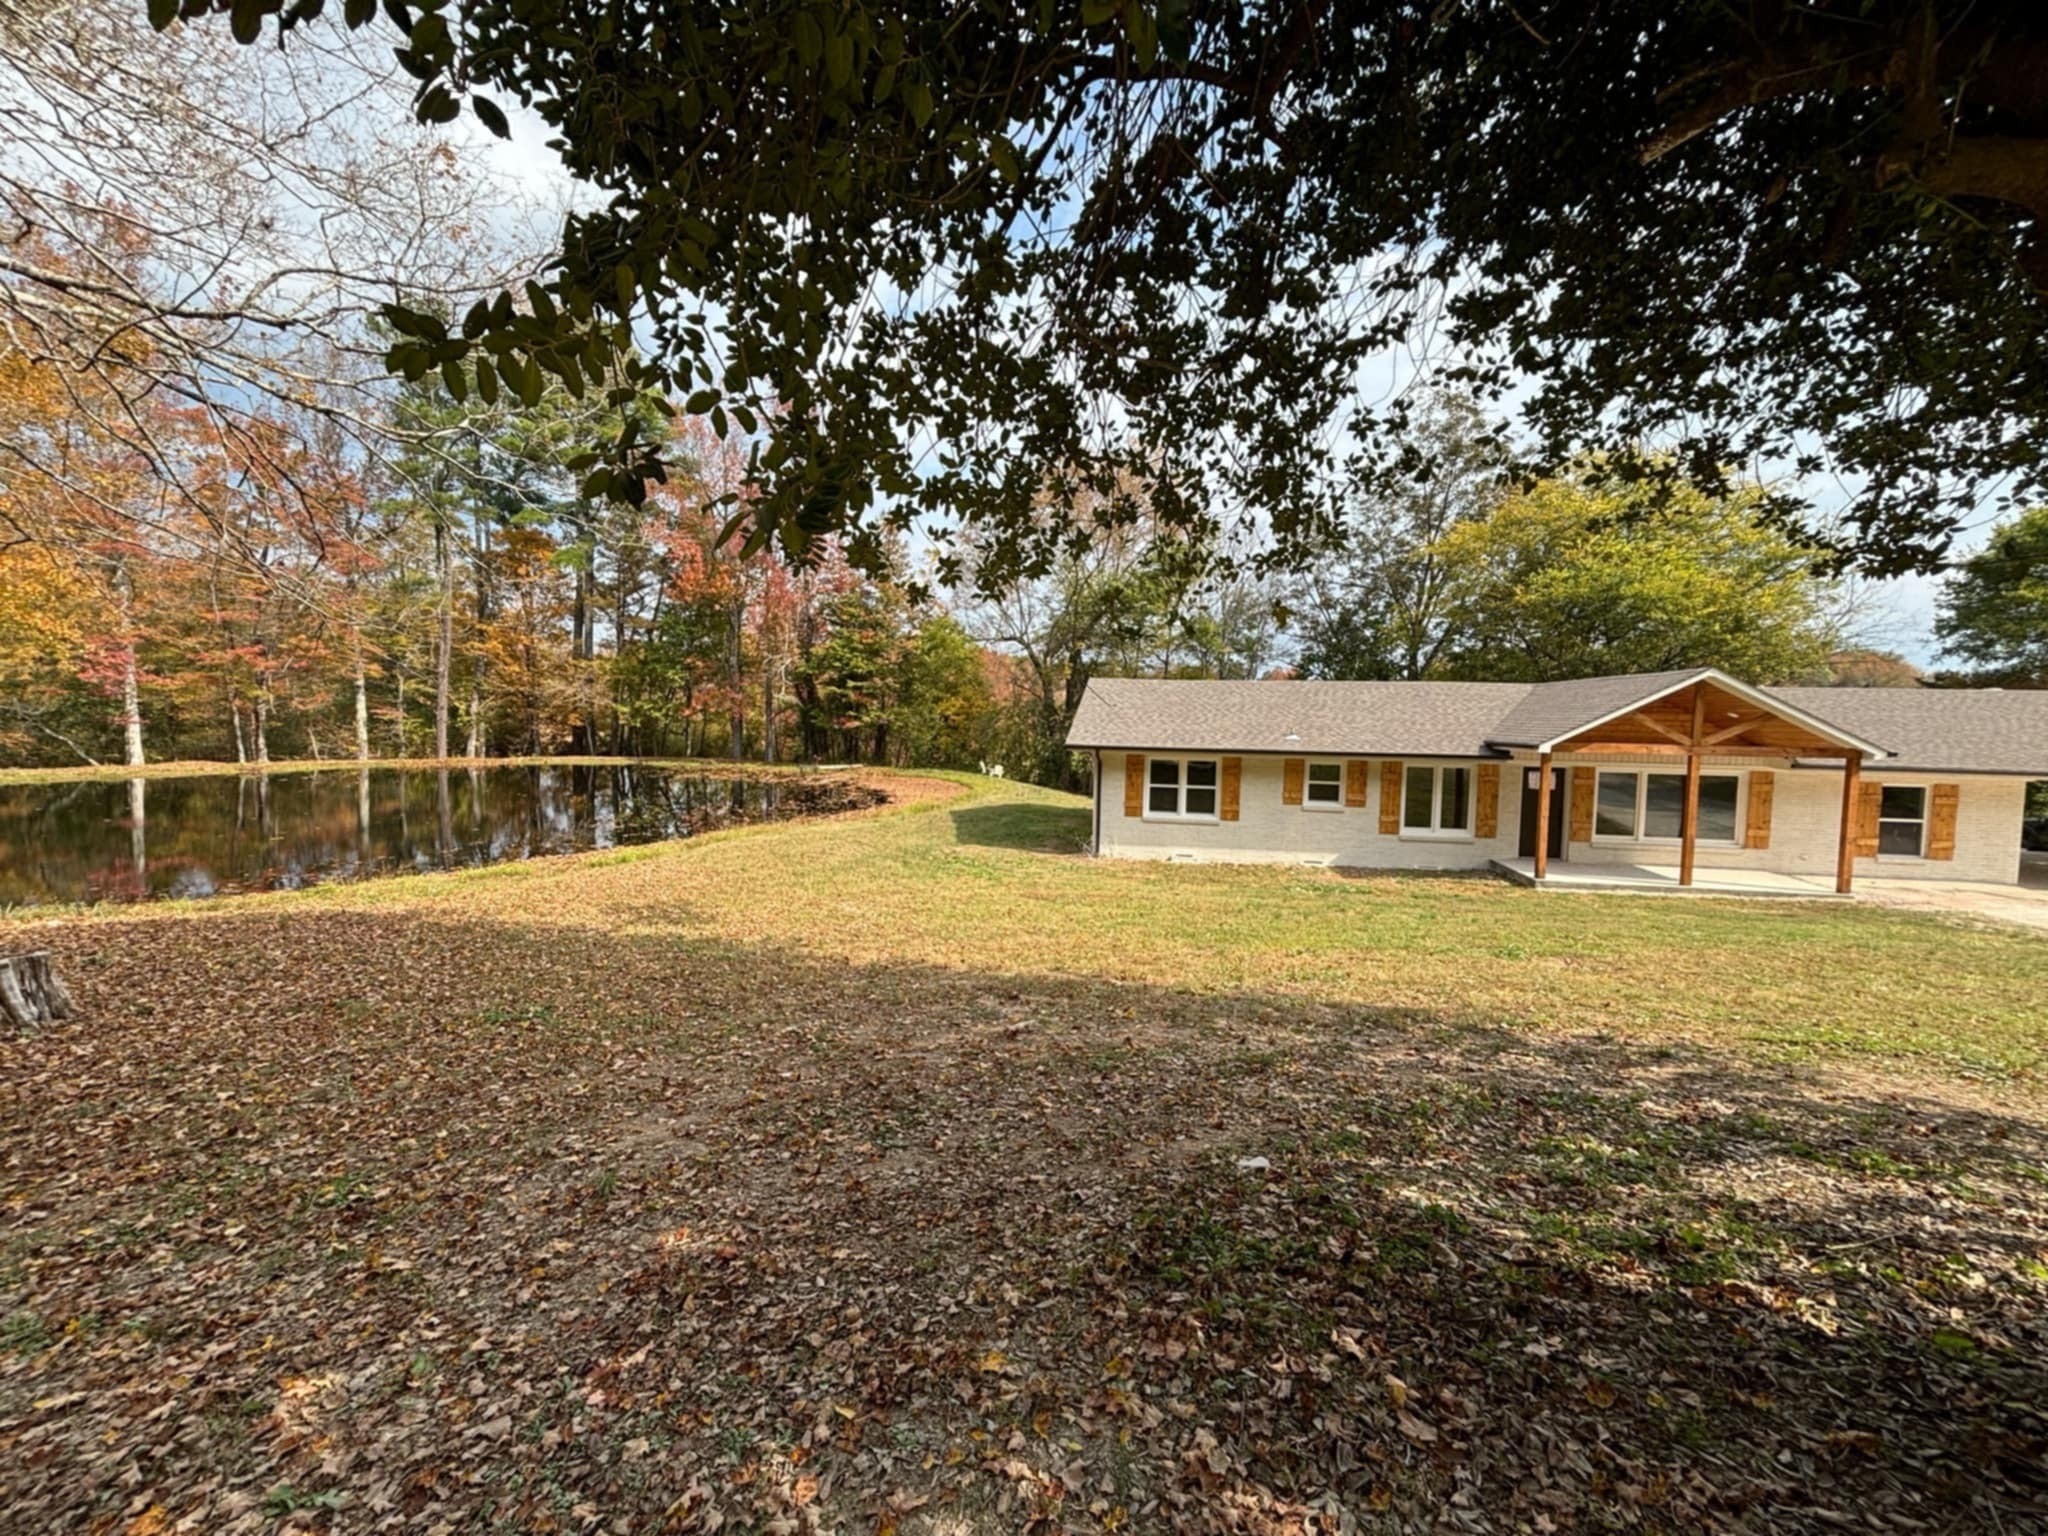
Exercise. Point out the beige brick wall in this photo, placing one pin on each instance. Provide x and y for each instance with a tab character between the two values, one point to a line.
1804	822
1270	832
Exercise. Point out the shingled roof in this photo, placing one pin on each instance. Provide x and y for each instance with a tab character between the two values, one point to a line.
1175	715
1935	730
1940	730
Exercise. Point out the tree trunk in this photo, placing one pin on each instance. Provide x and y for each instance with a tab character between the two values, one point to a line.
475	748
30	993
241	742
582	644
362	711
767	710
445	646
131	681
261	709
131	708
736	682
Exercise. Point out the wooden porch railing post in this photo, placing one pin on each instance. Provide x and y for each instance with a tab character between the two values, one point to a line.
1543	815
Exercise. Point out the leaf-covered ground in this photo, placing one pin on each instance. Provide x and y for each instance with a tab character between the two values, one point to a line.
910	1173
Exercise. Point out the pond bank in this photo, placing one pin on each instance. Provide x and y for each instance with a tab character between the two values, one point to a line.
189	768
206	835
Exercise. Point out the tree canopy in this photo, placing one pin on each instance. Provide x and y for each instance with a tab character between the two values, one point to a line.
945	253
1994	611
1572	578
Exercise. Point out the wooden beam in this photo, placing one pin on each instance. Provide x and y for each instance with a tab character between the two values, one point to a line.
1845	854
1625	748
1689	819
1543	816
1736	729
1660	728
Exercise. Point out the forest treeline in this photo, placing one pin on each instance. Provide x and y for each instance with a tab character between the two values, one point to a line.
268	589
286	594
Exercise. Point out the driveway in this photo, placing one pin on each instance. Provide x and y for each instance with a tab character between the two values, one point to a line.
2025	903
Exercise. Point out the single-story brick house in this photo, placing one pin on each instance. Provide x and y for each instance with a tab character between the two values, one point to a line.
1692	768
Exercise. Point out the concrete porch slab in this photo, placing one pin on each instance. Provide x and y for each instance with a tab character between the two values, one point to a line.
1662	879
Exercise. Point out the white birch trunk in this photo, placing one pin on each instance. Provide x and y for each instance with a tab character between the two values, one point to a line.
362	712
131	709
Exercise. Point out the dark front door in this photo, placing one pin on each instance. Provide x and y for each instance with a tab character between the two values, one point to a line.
1531	779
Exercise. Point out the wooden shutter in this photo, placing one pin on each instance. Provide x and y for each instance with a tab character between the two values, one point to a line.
1290	780
1390	798
1487	822
1582	805
1763	788
1869	799
1354	782
1942	801
1233	782
1134	784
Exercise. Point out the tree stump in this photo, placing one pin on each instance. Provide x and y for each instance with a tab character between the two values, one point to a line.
30	993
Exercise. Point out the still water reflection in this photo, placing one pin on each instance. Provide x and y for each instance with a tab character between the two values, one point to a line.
196	837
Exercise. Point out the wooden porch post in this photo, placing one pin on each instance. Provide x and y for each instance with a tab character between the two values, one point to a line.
1845	854
1543	816
1689	817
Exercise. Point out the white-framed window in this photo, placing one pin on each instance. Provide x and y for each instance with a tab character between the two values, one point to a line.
1325	786
1181	788
1901	821
1436	802
1641	805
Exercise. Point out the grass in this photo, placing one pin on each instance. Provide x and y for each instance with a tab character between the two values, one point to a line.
990	883
896	1172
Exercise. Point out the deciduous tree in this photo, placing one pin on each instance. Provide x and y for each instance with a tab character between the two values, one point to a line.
1570	578
1993	612
973	252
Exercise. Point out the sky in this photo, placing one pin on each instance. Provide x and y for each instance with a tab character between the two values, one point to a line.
1896	614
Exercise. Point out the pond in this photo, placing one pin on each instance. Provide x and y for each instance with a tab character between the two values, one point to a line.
133	839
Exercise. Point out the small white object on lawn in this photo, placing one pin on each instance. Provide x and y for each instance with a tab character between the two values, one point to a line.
1253	1164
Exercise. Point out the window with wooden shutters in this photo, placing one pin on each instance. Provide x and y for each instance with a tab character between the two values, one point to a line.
1390	798
1233	786
1134	784
1943	803
1182	789
1436	802
1582	805
1324	786
1291	773
1901	821
1488	822
1756	831
1354	783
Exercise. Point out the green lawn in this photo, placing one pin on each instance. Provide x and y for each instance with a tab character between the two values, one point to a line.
889	1173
